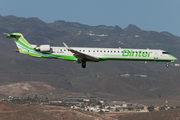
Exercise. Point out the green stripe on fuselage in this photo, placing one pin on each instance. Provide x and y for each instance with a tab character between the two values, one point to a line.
136	59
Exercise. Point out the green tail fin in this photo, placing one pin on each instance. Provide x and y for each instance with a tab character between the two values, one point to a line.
19	40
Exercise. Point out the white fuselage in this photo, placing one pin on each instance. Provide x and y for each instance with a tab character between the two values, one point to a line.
84	54
117	53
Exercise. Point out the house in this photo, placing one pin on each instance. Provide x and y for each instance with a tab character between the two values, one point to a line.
124	105
55	102
86	100
88	103
101	101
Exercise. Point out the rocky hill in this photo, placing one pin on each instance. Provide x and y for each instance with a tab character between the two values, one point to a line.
24	89
103	79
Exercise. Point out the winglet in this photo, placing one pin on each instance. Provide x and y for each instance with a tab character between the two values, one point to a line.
13	34
68	48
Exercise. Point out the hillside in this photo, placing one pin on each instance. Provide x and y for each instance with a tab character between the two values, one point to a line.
160	115
9	111
101	79
41	112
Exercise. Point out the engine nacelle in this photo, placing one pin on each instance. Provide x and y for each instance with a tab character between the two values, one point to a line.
43	48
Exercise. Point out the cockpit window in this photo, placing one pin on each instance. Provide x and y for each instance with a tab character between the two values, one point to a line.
165	53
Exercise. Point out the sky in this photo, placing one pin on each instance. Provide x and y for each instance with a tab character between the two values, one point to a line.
149	15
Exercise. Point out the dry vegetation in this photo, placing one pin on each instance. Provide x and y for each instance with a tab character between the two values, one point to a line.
9	111
172	114
27	88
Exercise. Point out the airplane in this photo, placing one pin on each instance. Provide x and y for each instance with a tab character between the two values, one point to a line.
87	54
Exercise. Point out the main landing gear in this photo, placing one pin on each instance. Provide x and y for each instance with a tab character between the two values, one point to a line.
82	61
83	64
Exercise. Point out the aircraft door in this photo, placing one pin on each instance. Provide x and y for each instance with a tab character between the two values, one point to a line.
156	55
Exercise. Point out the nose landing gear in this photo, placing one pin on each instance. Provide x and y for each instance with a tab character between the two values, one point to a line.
167	65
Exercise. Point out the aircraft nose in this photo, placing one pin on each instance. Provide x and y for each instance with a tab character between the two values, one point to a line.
172	57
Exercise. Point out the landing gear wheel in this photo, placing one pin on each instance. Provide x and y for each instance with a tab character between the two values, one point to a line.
84	63
167	65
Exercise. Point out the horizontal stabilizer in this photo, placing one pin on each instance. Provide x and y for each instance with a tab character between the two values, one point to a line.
12	35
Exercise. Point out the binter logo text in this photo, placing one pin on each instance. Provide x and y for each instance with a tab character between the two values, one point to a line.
132	53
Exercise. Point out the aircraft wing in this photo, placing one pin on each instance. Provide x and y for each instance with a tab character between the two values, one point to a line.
78	54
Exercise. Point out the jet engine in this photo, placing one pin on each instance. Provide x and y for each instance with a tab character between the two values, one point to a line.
43	48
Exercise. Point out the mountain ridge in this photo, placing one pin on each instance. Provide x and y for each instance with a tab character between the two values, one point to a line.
101	79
